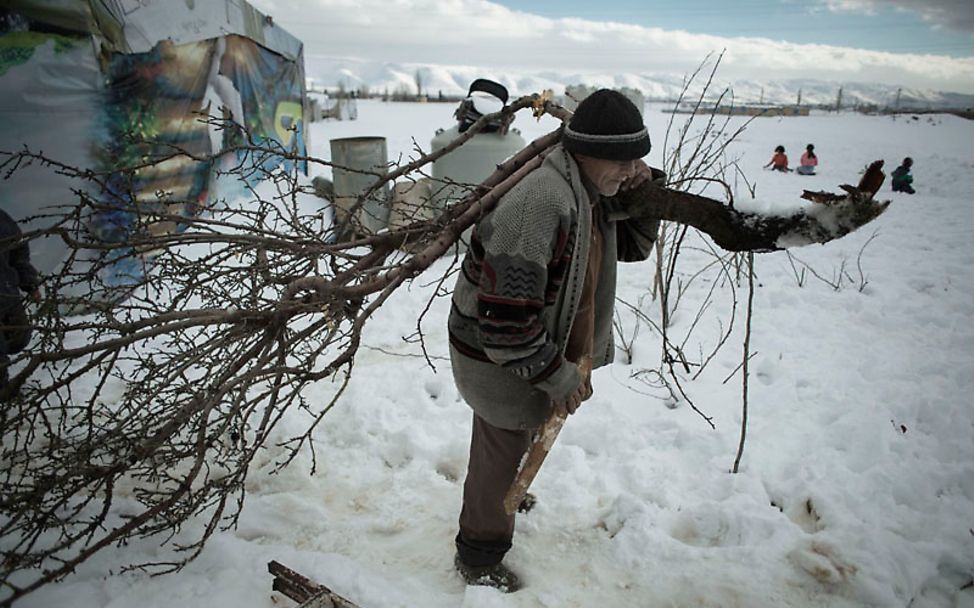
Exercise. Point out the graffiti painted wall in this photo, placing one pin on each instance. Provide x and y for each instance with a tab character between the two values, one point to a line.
171	106
110	100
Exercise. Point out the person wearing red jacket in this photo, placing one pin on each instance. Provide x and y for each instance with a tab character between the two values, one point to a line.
779	162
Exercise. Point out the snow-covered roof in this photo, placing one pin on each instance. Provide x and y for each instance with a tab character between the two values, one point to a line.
134	27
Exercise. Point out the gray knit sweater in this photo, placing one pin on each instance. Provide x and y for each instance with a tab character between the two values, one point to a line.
519	288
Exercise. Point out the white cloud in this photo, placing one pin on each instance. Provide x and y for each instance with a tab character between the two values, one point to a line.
481	33
954	14
869	7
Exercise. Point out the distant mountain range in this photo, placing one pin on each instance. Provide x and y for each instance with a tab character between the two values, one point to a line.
453	81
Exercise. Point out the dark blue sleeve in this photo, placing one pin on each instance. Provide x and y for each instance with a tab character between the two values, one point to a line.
26	273
19	256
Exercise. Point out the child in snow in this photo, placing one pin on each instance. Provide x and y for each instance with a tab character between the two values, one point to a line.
902	180
779	162
808	161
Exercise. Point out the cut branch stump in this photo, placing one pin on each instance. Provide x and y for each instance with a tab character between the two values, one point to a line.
303	590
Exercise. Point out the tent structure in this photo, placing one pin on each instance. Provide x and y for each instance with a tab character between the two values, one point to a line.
104	84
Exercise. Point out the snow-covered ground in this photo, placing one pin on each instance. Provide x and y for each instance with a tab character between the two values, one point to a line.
857	483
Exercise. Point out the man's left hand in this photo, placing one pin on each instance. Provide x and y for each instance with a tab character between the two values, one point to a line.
644	173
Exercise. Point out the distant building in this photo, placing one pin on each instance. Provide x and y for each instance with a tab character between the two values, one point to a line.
741	110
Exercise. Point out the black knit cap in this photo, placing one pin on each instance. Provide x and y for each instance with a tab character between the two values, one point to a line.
607	125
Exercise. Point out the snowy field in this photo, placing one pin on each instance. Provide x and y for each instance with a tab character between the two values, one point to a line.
857	482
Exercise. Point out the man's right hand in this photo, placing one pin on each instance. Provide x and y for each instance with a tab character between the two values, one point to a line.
581	393
567	407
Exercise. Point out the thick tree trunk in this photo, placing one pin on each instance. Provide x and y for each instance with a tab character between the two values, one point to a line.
831	217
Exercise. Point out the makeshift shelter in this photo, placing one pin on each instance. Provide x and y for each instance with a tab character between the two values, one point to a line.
105	84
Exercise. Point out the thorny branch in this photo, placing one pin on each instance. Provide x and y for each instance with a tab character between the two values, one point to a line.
746	360
155	401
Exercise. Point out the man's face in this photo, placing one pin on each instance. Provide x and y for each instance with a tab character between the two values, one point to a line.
607	175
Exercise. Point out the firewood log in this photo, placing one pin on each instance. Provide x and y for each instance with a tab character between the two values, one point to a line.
303	590
733	230
538	450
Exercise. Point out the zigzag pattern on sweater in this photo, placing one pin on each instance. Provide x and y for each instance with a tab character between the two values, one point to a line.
519	283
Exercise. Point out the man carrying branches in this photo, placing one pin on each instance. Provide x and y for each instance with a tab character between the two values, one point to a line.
532	309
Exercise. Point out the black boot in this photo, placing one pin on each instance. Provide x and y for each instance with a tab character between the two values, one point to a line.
497	576
527	503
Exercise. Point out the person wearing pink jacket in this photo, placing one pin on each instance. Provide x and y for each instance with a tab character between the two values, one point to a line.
808	161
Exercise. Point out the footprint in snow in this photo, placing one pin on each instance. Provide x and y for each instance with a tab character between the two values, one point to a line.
823	562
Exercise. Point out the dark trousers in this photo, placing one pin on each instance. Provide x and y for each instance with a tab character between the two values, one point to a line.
14	332
897	187
486	530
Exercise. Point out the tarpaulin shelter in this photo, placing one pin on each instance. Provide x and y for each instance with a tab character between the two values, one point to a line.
103	84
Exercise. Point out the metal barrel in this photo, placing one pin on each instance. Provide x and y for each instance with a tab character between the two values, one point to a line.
356	163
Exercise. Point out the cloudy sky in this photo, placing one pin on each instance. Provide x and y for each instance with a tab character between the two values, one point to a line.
921	43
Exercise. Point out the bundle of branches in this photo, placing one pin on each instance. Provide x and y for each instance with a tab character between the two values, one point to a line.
216	339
